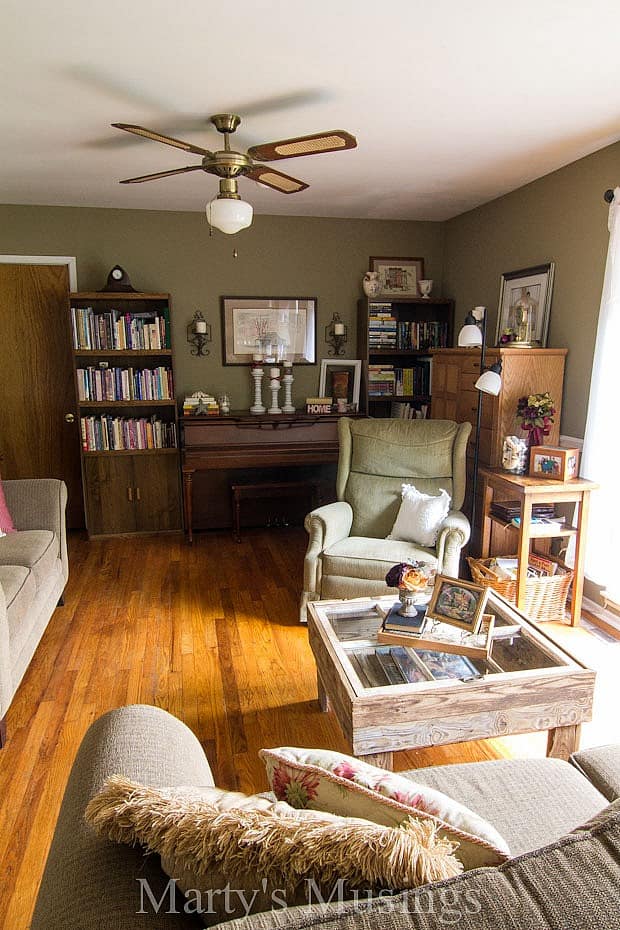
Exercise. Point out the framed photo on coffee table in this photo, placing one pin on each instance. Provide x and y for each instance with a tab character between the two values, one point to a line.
459	603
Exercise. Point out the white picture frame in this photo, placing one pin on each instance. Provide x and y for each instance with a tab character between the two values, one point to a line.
354	367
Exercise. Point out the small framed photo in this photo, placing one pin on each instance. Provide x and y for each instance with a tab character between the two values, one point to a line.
273	327
443	665
554	462
459	603
524	307
399	277
340	380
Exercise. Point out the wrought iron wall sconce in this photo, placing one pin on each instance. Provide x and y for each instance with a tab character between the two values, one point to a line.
199	334
336	335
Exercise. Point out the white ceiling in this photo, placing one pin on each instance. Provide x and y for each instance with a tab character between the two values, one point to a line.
452	103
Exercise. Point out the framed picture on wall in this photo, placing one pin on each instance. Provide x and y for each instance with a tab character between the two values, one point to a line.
398	277
524	307
276	328
340	380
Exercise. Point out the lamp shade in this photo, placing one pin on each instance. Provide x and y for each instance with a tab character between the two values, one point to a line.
470	335
490	381
229	215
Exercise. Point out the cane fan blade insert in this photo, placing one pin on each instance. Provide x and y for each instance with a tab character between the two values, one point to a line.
158	137
317	144
275	179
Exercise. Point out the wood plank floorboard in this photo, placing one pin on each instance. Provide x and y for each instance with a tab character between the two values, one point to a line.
210	633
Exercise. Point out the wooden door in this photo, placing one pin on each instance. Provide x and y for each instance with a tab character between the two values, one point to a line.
36	380
111	499
157	492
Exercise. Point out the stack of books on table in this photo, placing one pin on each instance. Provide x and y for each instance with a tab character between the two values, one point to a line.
191	403
381	381
542	514
381	327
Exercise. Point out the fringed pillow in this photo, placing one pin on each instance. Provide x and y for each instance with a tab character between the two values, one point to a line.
264	855
322	780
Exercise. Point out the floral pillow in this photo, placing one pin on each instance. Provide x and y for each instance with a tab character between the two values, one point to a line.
318	779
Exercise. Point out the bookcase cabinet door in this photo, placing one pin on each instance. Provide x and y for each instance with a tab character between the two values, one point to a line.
110	499
157	492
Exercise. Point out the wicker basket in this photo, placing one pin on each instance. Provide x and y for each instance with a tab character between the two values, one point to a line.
545	597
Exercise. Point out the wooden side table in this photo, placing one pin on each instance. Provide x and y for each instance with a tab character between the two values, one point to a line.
530	491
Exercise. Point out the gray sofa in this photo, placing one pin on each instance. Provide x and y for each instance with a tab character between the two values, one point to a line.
33	574
556	880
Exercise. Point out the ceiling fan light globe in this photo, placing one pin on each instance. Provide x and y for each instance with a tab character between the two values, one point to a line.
229	215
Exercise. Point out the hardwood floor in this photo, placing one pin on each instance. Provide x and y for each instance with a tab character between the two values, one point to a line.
209	632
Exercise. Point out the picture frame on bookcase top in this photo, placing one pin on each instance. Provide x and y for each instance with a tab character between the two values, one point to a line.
399	277
341	379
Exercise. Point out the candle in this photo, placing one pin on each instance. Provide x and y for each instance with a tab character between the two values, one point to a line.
287	364
338	329
274	372
257	357
200	326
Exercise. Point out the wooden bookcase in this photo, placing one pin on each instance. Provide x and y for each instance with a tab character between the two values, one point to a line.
129	489
436	313
454	397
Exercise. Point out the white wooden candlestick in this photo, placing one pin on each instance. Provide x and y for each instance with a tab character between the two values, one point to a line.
287	381
258	406
274	384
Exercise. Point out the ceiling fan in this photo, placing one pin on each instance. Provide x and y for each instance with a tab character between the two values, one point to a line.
228	212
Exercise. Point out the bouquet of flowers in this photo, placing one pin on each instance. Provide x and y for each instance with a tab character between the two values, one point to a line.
410	576
535	413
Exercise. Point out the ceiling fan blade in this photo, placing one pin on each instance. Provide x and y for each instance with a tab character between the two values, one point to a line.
159	137
275	179
332	141
161	174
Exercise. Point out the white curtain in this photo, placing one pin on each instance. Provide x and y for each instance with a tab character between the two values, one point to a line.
601	448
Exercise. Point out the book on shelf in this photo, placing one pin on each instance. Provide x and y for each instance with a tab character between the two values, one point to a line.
407	411
421	335
124	384
117	330
114	434
508	510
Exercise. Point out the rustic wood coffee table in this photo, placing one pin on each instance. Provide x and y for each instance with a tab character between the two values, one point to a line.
388	698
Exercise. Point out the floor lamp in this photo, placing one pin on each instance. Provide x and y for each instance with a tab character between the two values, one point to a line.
474	333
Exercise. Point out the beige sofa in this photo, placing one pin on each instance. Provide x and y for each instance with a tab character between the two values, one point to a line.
556	879
33	573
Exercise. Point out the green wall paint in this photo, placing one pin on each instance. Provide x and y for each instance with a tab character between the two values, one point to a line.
172	252
562	218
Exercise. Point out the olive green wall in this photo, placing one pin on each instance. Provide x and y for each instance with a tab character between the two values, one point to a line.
562	218
172	252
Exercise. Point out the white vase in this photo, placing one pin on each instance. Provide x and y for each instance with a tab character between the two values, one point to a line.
371	283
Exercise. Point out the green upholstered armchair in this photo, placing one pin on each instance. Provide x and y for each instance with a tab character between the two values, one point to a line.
348	554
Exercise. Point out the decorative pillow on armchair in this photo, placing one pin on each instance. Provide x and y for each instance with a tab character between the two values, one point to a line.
318	779
420	516
6	521
232	854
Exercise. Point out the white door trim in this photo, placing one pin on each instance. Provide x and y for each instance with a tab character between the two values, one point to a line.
68	260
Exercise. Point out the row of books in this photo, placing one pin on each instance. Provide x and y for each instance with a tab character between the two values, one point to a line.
421	335
112	434
114	329
388	381
102	384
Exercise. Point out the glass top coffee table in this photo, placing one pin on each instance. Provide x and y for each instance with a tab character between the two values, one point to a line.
392	697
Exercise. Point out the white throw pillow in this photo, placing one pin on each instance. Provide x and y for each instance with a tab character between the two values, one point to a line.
420	516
